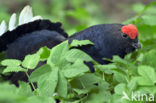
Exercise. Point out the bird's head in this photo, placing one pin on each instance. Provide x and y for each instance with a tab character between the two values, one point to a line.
124	38
132	33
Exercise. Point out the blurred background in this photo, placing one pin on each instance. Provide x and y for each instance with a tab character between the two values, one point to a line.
76	14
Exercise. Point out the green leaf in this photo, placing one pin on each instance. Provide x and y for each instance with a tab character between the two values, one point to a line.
11	62
48	82
62	85
140	57
132	85
14	69
8	93
108	69
101	97
147	32
38	99
147	89
120	77
39	72
120	88
147	71
24	88
57	55
75	54
76	43
78	68
119	60
44	53
147	77
88	80
150	58
116	98
31	61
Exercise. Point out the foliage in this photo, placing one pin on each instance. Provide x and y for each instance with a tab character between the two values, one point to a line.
67	78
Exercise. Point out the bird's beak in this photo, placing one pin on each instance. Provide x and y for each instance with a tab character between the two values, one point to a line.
136	45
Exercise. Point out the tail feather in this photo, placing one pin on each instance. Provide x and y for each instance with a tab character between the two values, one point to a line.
11	36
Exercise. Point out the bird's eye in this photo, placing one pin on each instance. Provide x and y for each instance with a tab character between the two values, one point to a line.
124	35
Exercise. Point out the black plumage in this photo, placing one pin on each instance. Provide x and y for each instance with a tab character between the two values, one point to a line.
32	42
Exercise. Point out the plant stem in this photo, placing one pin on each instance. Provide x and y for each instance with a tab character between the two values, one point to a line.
28	80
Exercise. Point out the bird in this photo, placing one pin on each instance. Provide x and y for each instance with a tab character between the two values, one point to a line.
109	40
29	37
